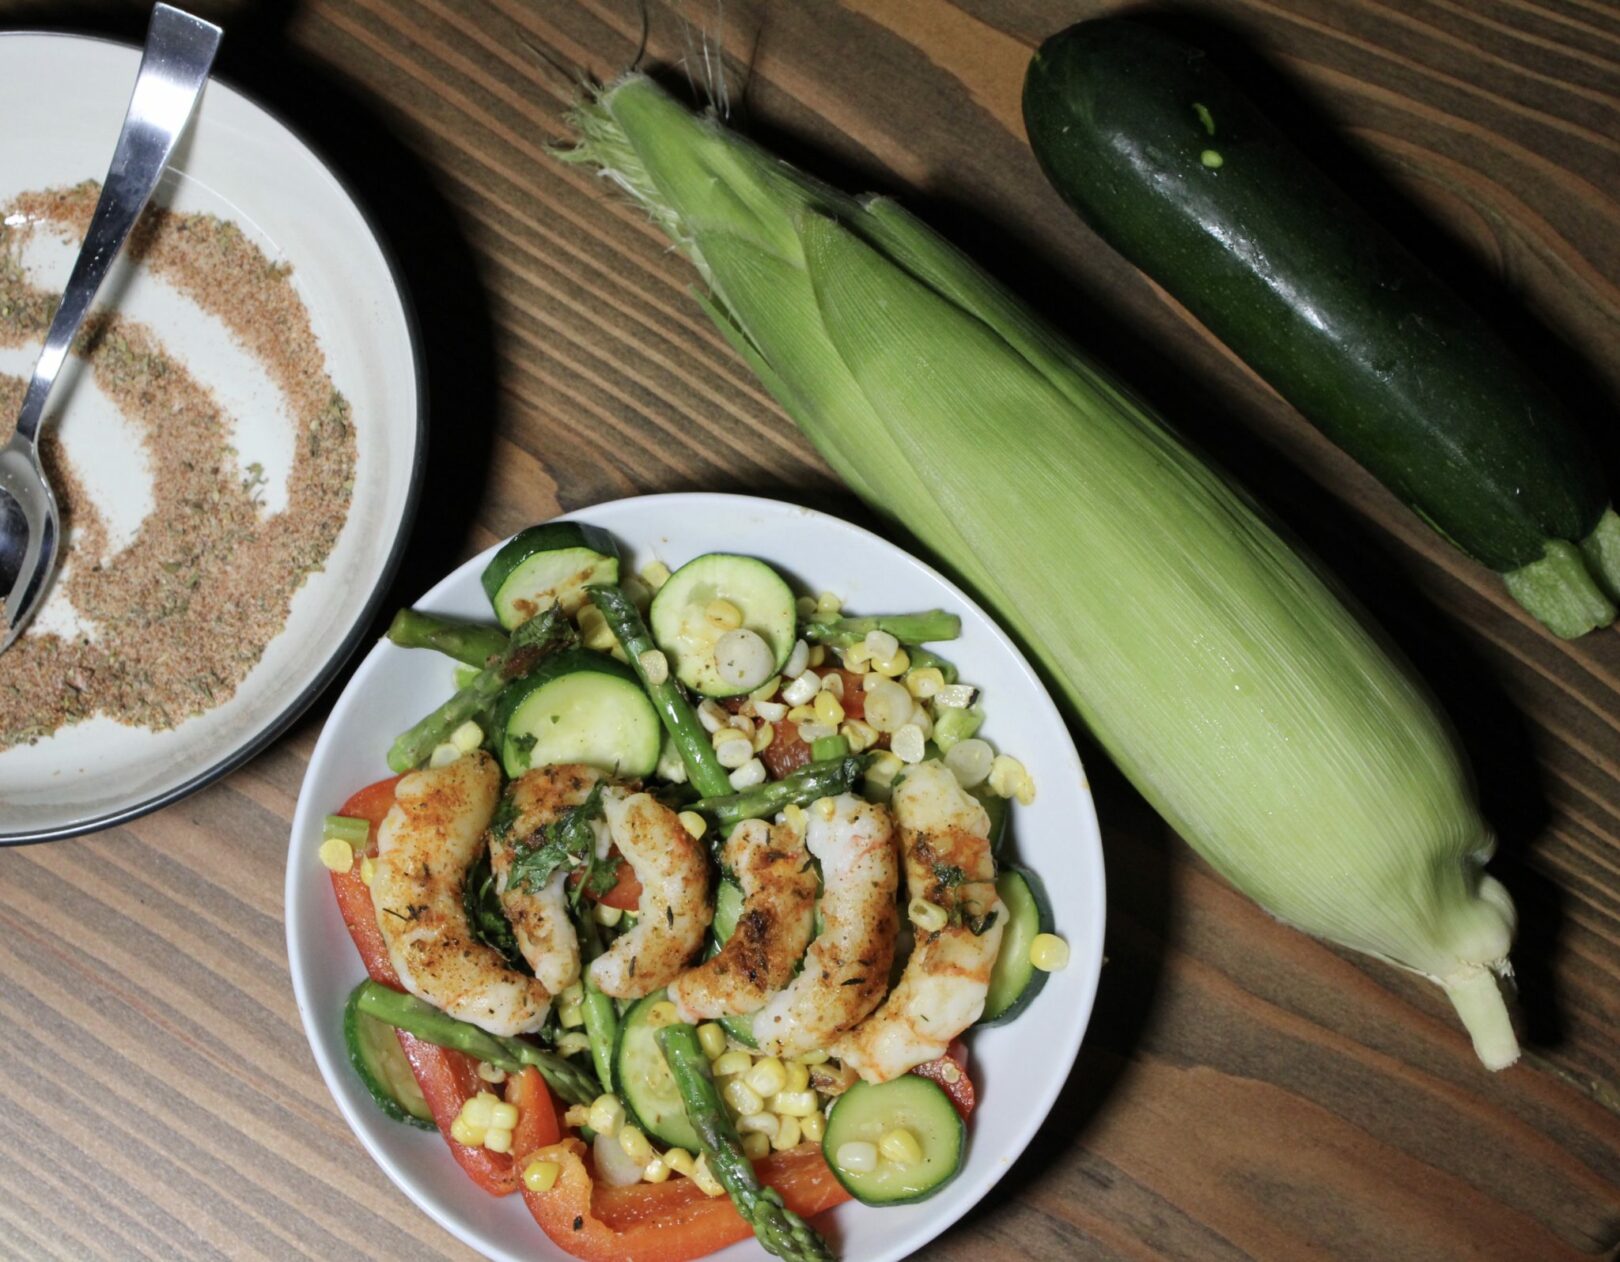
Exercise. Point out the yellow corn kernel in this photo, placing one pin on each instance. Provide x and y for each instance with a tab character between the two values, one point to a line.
712	1039
828	709
742	1098
635	1145
605	915
737	1062
894	666
856	1157
541	1176
337	855
1005	773
679	1160
802	714
925	682
798	1076
468	737
464	1133
928	917
795	1103
661	1014
856	657
570	1015
756	1145
577	1115
767	1124
860	734
503	1115
443	755
901	1147
787	1134
767	1077
573	1043
368	869
607	1115
817	1057
480	1110
766	690
655	1171
1025	792
818	655
813	1126
492	1074
705	1180
825	809
722	614
764	734
796	819
654	666
498	1139
655	574
828	604
1048	952
693	823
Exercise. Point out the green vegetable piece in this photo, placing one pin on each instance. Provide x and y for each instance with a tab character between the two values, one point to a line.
356	832
955	725
470	643
824	748
812	781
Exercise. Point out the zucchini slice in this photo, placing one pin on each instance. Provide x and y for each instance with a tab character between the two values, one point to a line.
1014	981
580	706
867	1112
645	1082
380	1062
728	905
681	627
553	562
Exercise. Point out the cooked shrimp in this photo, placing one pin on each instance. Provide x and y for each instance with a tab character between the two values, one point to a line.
779	905
674	912
540	923
944	833
846	969
425	845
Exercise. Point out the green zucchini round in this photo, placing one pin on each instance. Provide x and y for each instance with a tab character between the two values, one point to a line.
1167	159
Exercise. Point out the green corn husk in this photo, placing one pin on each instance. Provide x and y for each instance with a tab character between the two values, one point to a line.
1221	673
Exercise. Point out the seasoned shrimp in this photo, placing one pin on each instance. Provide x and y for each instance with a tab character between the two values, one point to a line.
540	922
944	834
779	904
846	969
674	912
425	845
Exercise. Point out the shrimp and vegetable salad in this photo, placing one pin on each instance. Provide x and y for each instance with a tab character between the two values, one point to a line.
675	913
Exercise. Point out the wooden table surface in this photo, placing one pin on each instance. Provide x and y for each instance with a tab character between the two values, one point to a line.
1243	1091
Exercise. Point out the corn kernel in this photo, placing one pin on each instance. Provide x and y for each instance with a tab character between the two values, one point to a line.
605	915
802	714
731	748
655	574
607	1115
893	667
795	817
908	744
1005	774
737	1062
712	1039
787	1134
655	1171
833	682
880	645
704	1178
570	1015
1048	952
767	1124
955	696
827	604
468	737
1024	794
928	917
856	657
577	1115
654	666
925	682
795	1103
768	1076
661	1014
770	711
541	1176
693	823
741	1097
901	1147
498	1139
337	855
504	1115
828	709
798	660
856	1157
817	1057
480	1110
756	1145
713	716
723	614
368	869
764	734
443	755
803	689
492	1074
600	637
748	775
810	733
573	1043
680	1161
635	1145
817	655
764	693
860	734
464	1133
798	1076
813	1126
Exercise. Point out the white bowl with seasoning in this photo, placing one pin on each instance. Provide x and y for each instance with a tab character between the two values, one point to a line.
1018	1068
239	450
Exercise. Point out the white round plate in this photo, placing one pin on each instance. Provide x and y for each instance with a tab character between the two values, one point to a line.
65	97
1018	1067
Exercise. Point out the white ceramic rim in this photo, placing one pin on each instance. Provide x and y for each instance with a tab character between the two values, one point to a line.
1085	937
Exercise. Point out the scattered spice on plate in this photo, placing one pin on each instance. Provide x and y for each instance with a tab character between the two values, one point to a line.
175	618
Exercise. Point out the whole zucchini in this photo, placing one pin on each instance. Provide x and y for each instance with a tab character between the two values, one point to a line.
1164	156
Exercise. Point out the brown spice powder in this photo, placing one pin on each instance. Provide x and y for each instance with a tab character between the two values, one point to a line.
182	613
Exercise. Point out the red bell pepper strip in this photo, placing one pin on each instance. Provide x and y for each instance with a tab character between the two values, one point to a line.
950	1072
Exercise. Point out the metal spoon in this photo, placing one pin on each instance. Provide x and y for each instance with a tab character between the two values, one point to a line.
174	66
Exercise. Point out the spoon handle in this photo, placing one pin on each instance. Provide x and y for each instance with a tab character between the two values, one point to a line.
174	66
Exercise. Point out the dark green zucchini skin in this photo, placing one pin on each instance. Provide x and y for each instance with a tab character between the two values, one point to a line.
1173	166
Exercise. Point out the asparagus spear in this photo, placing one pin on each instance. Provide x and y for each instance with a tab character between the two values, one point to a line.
778	1228
828	634
537	638
601	1017
815	780
908	628
408	1013
469	642
703	769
